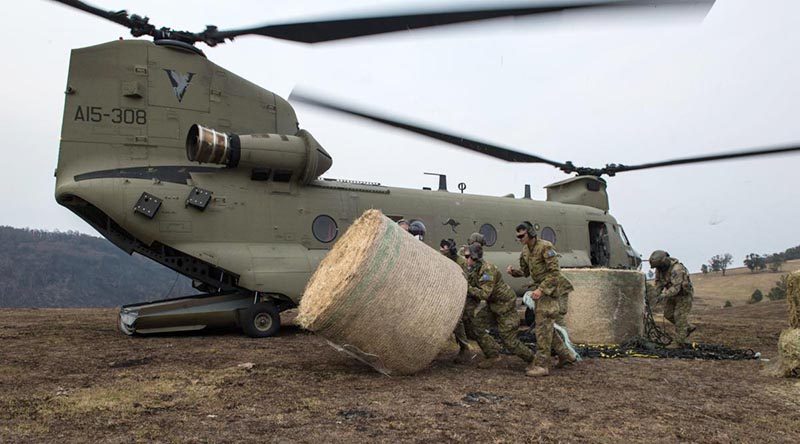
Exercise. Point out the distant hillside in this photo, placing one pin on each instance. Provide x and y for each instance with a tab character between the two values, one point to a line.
713	289
56	269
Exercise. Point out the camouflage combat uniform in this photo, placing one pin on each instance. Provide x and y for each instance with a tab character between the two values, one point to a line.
486	284
675	287
541	264
460	331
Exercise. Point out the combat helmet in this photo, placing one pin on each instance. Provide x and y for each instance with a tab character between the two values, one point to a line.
659	259
476	237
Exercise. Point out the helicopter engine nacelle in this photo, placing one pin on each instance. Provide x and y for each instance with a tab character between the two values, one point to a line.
300	154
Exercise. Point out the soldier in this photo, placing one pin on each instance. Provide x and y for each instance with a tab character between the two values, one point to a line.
674	286
403	224
476	237
539	260
486	284
448	248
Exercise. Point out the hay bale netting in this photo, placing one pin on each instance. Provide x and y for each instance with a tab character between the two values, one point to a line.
793	298
606	306
384	297
789	352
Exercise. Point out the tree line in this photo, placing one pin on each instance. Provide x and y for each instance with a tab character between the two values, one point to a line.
753	261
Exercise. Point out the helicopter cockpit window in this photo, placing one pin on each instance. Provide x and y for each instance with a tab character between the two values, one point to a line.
549	235
624	236
324	228
489	234
417	229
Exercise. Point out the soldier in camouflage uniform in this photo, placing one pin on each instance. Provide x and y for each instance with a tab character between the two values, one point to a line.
486	284
539	260
674	286
448	248
477	317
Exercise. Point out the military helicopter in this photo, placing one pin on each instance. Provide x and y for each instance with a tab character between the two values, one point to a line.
175	158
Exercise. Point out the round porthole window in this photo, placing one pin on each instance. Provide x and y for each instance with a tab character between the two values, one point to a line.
549	235
324	228
489	234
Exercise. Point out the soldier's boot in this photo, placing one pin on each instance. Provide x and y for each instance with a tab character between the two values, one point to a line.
465	355
535	371
489	362
564	361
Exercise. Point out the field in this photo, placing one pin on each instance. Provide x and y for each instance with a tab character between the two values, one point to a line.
737	285
67	375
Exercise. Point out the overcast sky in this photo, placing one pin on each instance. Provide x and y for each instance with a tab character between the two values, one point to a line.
594	90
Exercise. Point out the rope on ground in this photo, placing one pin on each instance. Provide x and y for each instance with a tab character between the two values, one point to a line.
652	331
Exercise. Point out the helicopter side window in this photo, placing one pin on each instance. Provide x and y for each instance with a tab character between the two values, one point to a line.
489	234
282	176
324	228
549	235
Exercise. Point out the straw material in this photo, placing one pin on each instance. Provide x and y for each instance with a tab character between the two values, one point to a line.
606	306
789	351
384	297
793	298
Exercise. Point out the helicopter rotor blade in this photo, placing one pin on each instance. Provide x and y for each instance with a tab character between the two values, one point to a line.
495	151
338	29
119	17
329	30
613	169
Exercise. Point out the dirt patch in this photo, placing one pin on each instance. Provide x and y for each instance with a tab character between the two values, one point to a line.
67	375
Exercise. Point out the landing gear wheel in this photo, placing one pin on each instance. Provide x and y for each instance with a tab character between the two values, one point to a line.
260	320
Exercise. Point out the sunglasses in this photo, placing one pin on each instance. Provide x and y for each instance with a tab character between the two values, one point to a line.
467	256
520	236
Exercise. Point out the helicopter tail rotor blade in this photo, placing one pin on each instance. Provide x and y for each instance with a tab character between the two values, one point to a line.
330	30
495	151
613	169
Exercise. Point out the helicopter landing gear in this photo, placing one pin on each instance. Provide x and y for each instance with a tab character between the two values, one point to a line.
260	320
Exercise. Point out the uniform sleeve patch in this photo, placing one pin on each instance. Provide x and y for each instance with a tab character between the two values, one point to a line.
551	253
486	277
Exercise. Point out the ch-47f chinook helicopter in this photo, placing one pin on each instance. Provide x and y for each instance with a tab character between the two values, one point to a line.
173	157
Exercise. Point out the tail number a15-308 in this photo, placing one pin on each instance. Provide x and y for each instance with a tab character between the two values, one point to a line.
127	116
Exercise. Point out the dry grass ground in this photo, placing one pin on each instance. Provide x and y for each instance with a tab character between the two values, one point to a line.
713	289
67	375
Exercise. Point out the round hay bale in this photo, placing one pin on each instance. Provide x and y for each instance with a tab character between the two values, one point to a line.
793	298
384	297
789	351
606	306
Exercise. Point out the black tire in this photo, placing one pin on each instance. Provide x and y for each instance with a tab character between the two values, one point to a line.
530	319
260	320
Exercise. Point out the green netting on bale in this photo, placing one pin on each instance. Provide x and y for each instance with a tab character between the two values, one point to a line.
384	297
793	298
606	305
789	352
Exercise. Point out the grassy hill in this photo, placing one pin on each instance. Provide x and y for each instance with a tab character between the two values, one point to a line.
713	289
57	269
